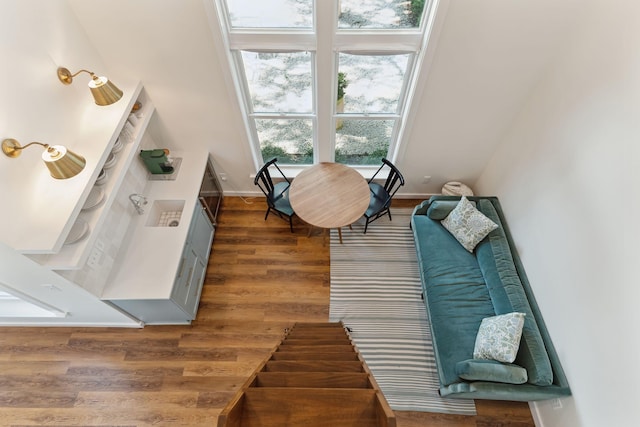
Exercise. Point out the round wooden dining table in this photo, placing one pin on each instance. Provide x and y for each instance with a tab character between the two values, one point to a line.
329	195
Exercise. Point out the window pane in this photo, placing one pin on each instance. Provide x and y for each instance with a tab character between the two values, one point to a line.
271	13
380	14
279	82
291	141
363	142
374	83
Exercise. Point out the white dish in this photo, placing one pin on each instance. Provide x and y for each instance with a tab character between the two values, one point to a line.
117	146
111	160
95	197
78	231
102	177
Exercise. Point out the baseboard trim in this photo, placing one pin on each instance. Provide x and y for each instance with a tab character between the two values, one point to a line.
535	414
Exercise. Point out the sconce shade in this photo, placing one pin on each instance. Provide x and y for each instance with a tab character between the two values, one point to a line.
61	162
103	90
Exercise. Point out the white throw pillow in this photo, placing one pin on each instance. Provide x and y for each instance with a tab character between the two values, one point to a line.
499	337
467	224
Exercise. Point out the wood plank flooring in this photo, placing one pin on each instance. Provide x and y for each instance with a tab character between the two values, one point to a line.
260	279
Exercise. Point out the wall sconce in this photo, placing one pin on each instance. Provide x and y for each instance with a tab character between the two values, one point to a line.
62	163
104	92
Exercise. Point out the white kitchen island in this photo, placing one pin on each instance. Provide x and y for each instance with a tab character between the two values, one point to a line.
158	274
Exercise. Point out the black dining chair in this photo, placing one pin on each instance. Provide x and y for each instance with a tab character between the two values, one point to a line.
381	195
277	194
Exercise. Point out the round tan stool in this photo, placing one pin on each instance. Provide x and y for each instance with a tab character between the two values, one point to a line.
455	188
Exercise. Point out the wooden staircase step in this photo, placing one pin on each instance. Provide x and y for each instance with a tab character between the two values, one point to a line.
318	325
313	355
318	348
337	338
313	379
319	331
312	366
311	329
317	341
282	407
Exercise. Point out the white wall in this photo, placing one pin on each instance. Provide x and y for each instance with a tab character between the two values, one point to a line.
169	45
567	174
489	54
37	36
488	57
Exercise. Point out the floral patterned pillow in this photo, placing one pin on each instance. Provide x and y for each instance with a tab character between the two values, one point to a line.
499	337
467	224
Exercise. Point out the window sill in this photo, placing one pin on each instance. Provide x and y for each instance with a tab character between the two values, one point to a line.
367	172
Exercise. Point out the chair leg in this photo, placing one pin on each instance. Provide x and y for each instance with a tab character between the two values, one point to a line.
291	223
389	212
267	215
366	224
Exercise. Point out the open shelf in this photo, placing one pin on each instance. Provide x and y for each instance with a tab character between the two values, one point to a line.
74	256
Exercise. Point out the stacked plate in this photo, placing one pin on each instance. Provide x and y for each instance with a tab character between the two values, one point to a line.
95	197
111	160
117	146
102	177
78	231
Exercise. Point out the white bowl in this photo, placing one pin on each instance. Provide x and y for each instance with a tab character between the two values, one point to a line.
111	160
102	177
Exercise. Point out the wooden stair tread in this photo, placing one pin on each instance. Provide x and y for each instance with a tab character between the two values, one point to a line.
312	366
317	341
312	355
279	407
317	335
321	325
318	348
313	379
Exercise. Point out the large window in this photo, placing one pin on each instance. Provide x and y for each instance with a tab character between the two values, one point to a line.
324	80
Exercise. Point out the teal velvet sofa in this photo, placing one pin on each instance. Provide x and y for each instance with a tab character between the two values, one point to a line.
460	288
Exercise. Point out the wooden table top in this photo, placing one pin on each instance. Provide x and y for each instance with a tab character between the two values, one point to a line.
329	195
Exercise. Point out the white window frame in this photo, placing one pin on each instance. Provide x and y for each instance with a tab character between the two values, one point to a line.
326	41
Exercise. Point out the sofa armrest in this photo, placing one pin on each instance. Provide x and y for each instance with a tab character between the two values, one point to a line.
421	209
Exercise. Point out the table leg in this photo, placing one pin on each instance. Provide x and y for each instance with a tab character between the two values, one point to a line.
340	233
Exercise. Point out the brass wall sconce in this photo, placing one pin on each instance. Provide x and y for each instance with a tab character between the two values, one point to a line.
103	90
62	163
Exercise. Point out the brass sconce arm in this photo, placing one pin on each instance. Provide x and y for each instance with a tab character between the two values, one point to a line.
103	90
66	77
12	148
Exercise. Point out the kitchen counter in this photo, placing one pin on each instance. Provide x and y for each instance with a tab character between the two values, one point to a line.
147	264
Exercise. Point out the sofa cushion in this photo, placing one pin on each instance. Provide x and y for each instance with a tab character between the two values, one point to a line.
468	225
507	294
491	370
439	209
499	337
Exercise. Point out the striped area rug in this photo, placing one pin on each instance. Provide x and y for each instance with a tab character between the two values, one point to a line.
375	291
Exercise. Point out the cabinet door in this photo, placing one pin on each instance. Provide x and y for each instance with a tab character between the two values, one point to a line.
195	287
180	292
201	233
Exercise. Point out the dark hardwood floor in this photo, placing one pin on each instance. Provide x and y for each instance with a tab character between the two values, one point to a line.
261	279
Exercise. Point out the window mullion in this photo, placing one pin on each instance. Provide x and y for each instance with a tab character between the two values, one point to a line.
326	79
